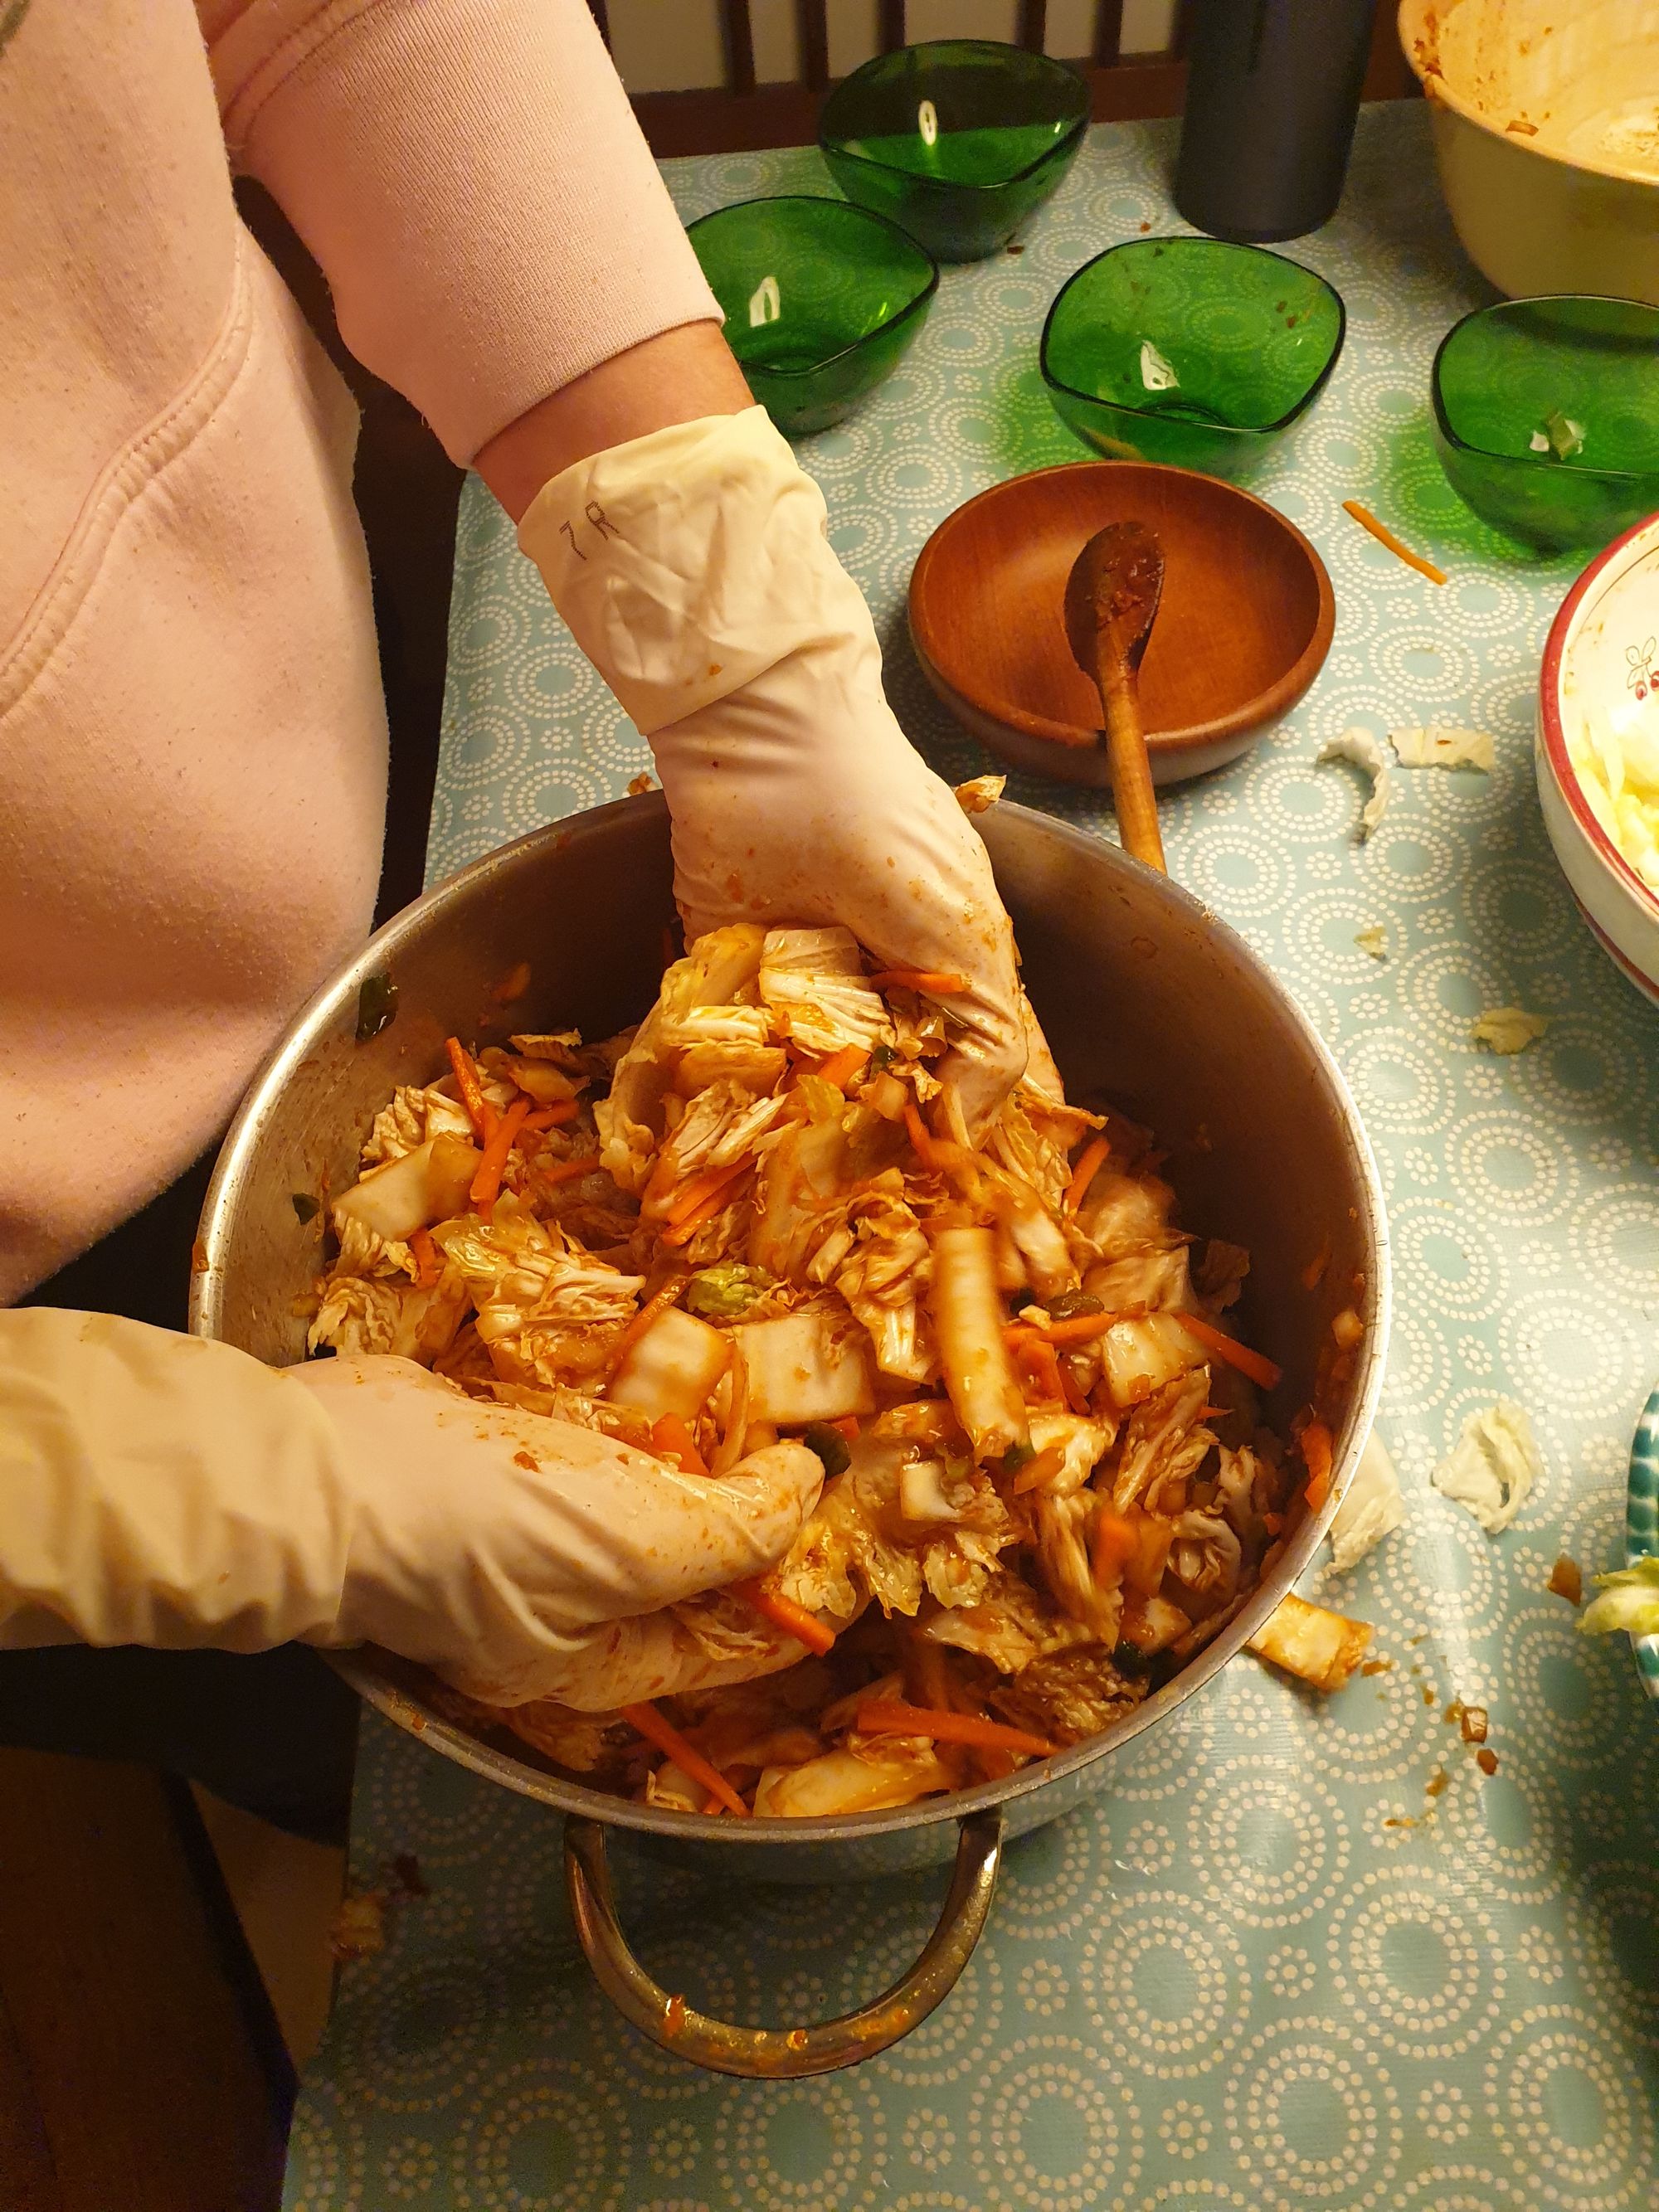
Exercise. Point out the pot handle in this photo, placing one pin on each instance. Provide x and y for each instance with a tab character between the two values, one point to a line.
776	2054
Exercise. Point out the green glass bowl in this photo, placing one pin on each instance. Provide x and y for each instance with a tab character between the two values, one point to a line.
1547	416
957	140
821	300
1189	350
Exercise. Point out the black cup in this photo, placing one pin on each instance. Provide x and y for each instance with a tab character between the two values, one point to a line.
1273	93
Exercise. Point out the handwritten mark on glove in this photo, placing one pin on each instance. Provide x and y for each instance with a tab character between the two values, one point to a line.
601	522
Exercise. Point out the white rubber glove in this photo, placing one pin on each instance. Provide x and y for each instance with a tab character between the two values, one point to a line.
694	571
159	1490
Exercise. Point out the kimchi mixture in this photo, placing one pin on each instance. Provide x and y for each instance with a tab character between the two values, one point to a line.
1046	1483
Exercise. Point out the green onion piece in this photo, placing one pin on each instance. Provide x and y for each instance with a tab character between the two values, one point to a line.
727	1291
1565	437
830	1446
1016	1456
377	1006
1071	1303
305	1205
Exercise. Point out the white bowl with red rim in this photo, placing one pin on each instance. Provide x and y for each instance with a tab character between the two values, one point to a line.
1601	666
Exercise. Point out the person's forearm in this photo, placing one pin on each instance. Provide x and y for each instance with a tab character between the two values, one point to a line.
470	177
679	376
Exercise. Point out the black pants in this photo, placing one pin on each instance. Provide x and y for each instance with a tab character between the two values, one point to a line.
272	1731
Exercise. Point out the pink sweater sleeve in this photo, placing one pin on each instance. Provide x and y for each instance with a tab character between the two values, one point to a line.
471	180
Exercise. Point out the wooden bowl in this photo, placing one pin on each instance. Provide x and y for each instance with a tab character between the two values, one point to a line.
1243	628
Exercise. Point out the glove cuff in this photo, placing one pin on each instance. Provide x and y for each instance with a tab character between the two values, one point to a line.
688	562
158	1489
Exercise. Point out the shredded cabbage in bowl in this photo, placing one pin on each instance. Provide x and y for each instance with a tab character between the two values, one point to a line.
1618	771
1048	1483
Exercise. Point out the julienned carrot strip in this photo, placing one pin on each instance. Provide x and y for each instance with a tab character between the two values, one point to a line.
923	1142
642	1321
1093	1159
487	1183
1259	1369
1076	1396
429	1260
882	1716
650	1723
1384	536
705	1210
700	1188
1036	1470
659	1184
847	1426
479	1111
671	1439
944	981
584	1164
941	1155
552	1117
843	1067
1078	1329
1314	1445
1038	1355
1154	1536
712	1192
1112	1544
782	1613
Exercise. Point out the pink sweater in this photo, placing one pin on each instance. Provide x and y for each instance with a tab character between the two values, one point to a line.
192	741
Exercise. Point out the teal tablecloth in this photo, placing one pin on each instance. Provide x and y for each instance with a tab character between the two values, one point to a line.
1231	1983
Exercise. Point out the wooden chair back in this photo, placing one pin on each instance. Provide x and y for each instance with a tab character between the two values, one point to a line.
742	115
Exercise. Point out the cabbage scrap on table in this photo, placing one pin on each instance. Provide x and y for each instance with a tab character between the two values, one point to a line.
1629	1600
1048	1482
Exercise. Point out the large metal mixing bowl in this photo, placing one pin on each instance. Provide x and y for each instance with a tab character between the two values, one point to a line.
1149	1001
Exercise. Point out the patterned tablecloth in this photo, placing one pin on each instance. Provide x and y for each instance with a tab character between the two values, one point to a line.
1273	1968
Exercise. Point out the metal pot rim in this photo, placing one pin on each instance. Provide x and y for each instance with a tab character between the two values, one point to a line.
375	1675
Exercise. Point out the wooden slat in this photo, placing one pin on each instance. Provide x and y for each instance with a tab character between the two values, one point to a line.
1389	74
737	34
1108	33
1033	31
893	35
1140	86
148	2092
1123	89
787	114
814	30
715	122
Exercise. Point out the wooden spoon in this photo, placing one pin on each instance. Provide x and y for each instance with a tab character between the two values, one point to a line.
1111	604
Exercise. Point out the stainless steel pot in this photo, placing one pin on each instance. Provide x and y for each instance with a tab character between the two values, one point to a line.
1149	1001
